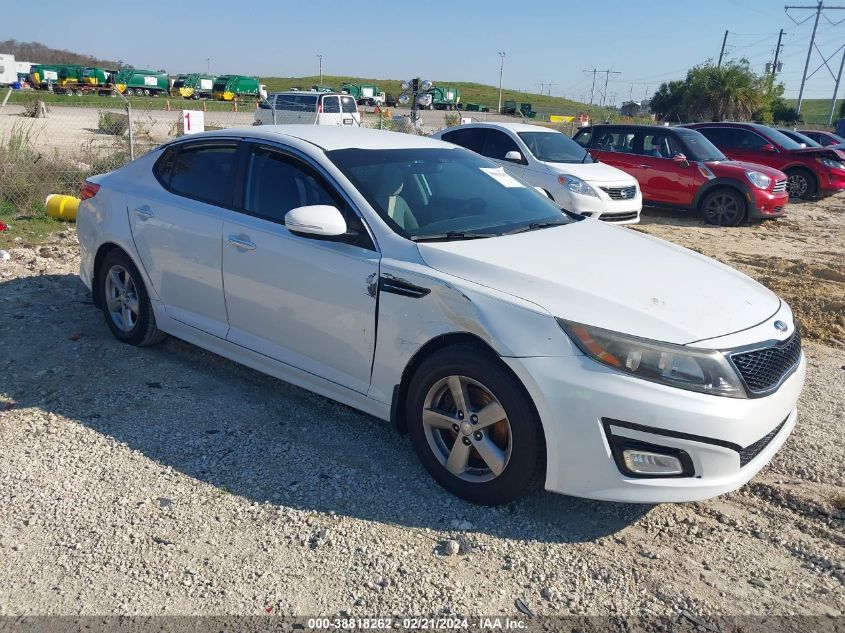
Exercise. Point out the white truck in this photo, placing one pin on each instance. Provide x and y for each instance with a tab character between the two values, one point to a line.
8	70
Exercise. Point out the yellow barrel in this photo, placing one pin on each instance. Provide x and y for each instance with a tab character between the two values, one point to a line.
62	207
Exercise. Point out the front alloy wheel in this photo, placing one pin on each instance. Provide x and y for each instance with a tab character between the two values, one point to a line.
474	426
723	208
467	429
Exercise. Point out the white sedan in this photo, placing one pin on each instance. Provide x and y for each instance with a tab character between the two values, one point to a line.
556	164
518	345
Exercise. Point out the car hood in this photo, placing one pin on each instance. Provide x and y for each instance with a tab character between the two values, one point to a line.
828	152
611	277
733	166
591	172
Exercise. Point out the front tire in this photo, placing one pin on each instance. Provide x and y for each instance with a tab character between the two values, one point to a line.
474	427
801	184
723	207
125	302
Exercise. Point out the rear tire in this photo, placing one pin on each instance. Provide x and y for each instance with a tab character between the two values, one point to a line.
125	302
489	449
801	184
724	207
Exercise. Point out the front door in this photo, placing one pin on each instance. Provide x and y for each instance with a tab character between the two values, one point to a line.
330	111
306	302
662	178
177	227
495	146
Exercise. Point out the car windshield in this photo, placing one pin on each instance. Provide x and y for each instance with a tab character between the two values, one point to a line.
445	194
699	146
800	138
779	138
554	147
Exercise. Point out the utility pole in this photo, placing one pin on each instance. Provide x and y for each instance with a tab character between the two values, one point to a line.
607	73
593	87
777	54
207	65
835	91
501	73
722	52
320	57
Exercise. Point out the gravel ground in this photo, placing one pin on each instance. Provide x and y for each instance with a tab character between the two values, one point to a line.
166	480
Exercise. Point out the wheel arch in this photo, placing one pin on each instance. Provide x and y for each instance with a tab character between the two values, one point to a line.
104	249
442	341
724	183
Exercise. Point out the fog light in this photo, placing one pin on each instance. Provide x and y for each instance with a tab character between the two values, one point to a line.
648	463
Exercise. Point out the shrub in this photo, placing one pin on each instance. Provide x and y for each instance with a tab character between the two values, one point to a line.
451	119
113	123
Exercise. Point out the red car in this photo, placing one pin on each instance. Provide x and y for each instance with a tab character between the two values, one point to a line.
811	171
678	167
823	138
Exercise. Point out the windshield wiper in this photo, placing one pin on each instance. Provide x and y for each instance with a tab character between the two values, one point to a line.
536	225
452	235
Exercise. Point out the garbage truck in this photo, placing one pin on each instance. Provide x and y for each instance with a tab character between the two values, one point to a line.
150	83
193	86
79	80
235	87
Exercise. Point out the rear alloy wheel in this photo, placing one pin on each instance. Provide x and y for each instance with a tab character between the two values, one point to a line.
800	184
474	428
723	207
125	302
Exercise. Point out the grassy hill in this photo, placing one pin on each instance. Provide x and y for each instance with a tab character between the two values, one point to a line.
470	93
815	111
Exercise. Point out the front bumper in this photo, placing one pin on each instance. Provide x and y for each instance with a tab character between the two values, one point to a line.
831	181
603	208
765	204
579	400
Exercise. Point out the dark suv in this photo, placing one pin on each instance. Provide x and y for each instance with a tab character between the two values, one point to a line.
811	171
678	167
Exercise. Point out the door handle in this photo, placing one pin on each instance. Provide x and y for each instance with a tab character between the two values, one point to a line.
238	242
144	211
644	166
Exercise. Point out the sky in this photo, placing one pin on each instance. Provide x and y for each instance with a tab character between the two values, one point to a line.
553	43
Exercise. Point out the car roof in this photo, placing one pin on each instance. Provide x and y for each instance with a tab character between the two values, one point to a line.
514	127
331	137
638	126
310	92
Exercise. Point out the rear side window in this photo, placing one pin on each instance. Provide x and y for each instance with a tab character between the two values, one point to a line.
296	103
204	172
347	104
331	105
471	138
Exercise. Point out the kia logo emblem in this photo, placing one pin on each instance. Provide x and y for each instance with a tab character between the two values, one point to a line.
781	326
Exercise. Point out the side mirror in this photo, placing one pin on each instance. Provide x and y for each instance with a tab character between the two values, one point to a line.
319	220
768	147
513	156
679	158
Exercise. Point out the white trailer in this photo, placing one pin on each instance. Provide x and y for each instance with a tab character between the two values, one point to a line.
23	68
8	71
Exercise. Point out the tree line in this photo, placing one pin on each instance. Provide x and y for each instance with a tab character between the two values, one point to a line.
730	92
39	53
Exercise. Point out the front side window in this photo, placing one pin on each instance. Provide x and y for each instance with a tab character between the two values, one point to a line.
554	147
445	193
659	145
276	183
497	144
204	172
615	141
296	103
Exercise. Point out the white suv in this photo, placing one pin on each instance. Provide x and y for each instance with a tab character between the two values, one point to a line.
552	161
317	108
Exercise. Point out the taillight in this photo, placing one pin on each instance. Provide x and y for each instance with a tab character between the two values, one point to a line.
89	190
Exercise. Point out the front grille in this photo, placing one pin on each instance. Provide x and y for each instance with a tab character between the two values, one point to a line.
620	193
618	217
750	452
764	369
780	186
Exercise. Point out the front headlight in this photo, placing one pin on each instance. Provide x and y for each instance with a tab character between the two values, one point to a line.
833	164
674	365
577	185
758	179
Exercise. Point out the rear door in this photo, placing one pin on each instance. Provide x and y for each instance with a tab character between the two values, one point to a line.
306	302
177	227
330	111
349	111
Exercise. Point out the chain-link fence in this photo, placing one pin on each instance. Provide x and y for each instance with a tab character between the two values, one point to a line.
50	143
